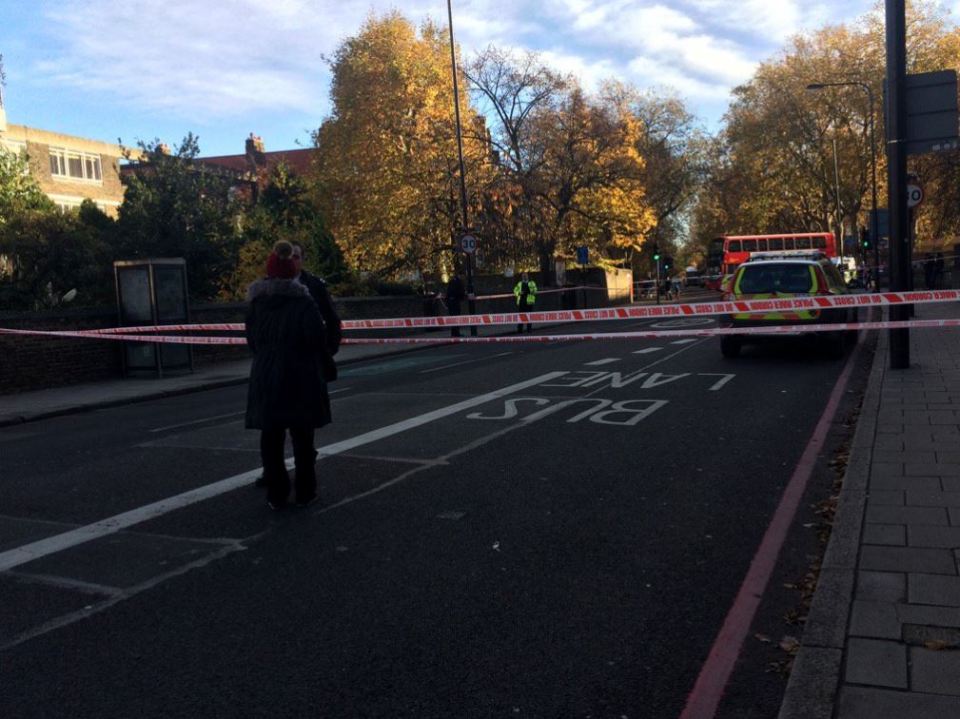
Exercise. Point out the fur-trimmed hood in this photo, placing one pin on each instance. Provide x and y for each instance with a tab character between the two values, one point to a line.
272	287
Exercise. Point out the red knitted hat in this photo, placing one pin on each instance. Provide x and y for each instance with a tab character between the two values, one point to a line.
281	268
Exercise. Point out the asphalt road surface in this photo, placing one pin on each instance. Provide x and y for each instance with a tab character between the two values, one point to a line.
540	530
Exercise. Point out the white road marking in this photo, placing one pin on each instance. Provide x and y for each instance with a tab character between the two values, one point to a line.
684	342
67	583
447	366
457	364
717	385
197	421
647	350
684	322
51	545
608	360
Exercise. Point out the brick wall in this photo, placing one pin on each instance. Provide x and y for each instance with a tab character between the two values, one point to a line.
36	362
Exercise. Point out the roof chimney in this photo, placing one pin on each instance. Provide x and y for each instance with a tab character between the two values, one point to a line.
255	153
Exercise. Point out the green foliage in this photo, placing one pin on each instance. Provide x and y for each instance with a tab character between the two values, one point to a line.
44	253
174	207
284	210
51	252
19	192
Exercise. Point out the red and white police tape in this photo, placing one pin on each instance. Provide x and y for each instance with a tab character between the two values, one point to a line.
706	309
785	330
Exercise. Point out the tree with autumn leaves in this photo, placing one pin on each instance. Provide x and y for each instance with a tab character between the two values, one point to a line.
771	167
548	167
387	157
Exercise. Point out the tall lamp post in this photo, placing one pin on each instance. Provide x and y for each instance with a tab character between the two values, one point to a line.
873	166
471	302
836	185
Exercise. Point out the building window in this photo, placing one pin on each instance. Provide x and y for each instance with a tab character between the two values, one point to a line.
72	165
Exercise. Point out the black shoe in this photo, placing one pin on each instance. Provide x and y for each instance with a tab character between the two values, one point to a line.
276	506
261	481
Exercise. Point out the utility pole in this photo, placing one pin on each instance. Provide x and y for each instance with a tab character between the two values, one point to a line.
471	295
897	174
836	178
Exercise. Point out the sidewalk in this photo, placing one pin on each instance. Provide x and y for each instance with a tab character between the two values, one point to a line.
883	634
29	406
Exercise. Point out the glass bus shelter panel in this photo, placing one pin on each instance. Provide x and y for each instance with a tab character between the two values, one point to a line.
170	286
153	292
133	299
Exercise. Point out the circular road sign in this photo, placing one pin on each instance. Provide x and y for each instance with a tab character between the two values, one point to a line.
468	243
914	195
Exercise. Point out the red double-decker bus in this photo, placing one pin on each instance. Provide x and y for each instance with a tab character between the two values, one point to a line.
727	252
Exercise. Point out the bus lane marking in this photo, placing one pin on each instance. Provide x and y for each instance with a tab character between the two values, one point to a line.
647	351
111	525
632	411
599	362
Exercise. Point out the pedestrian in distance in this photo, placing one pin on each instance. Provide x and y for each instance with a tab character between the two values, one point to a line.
455	295
929	272
321	296
287	391
665	287
526	293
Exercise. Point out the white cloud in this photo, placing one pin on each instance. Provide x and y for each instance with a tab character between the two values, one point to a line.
590	73
205	60
221	60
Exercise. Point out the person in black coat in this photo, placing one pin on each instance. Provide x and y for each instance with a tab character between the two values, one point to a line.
287	389
320	294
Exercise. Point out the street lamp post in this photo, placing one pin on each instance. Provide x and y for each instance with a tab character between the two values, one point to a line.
873	166
471	302
836	182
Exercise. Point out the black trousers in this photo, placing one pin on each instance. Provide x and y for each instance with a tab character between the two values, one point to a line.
274	470
525	308
453	306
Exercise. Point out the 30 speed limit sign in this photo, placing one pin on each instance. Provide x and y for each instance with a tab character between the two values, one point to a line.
468	244
914	195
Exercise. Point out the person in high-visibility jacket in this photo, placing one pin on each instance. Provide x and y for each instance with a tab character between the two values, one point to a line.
526	294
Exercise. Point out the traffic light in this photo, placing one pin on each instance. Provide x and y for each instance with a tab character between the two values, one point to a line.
865	238
656	253
667	262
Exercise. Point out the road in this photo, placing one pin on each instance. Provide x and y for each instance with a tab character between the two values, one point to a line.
541	530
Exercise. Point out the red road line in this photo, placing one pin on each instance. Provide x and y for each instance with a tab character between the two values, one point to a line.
708	690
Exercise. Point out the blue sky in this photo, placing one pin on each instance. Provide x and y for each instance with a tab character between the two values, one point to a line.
144	69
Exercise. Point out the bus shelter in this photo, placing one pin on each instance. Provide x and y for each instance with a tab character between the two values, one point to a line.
153	292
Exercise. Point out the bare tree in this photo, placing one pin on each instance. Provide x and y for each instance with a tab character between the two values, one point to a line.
512	88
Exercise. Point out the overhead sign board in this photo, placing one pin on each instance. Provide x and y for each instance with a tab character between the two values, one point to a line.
932	123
